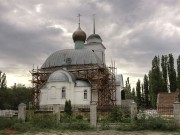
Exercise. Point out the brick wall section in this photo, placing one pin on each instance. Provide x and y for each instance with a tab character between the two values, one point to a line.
165	102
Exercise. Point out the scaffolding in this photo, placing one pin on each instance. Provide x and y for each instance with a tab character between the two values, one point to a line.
101	79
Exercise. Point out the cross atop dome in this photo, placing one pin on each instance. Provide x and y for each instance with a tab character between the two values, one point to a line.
79	15
79	36
94	23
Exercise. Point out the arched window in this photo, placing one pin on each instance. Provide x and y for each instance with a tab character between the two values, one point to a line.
122	95
63	92
85	94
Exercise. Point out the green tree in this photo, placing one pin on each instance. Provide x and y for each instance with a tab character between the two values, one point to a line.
142	95
22	95
11	98
128	93
68	107
138	91
155	79
172	73
164	65
146	91
133	93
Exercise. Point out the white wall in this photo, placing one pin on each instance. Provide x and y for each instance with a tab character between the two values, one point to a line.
118	95
52	94
79	96
99	50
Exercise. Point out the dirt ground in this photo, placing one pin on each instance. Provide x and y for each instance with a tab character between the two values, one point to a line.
107	132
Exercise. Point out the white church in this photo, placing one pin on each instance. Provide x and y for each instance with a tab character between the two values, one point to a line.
64	84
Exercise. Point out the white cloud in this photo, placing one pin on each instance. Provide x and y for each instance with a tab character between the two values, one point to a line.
38	8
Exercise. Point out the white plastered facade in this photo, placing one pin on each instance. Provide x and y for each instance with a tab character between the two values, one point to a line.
60	88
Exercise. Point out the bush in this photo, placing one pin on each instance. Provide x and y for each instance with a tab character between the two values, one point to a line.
7	123
116	115
22	127
68	107
151	124
79	117
44	121
79	125
65	118
105	125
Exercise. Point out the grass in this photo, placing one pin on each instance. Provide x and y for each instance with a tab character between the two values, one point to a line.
47	123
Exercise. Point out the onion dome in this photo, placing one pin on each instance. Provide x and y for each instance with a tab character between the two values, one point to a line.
94	38
79	35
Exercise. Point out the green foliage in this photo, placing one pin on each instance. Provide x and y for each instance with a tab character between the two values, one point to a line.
154	124
22	127
66	118
138	91
172	73
116	115
157	124
155	81
68	107
78	125
119	115
104	125
6	123
79	117
128	92
164	66
146	91
43	121
11	98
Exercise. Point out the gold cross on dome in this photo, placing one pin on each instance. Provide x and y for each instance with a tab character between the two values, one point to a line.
79	15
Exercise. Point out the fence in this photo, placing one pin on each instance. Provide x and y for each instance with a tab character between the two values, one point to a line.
103	113
8	113
165	109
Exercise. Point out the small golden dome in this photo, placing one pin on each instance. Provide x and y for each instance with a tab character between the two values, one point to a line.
79	35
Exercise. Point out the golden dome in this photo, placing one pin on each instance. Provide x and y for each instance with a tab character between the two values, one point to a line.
79	35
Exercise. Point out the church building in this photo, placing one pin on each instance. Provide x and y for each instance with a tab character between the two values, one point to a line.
79	75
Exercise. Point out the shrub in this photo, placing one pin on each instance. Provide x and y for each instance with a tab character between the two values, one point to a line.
154	124
6	123
22	127
157	124
105	125
116	115
68	107
79	117
79	125
44	121
66	118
